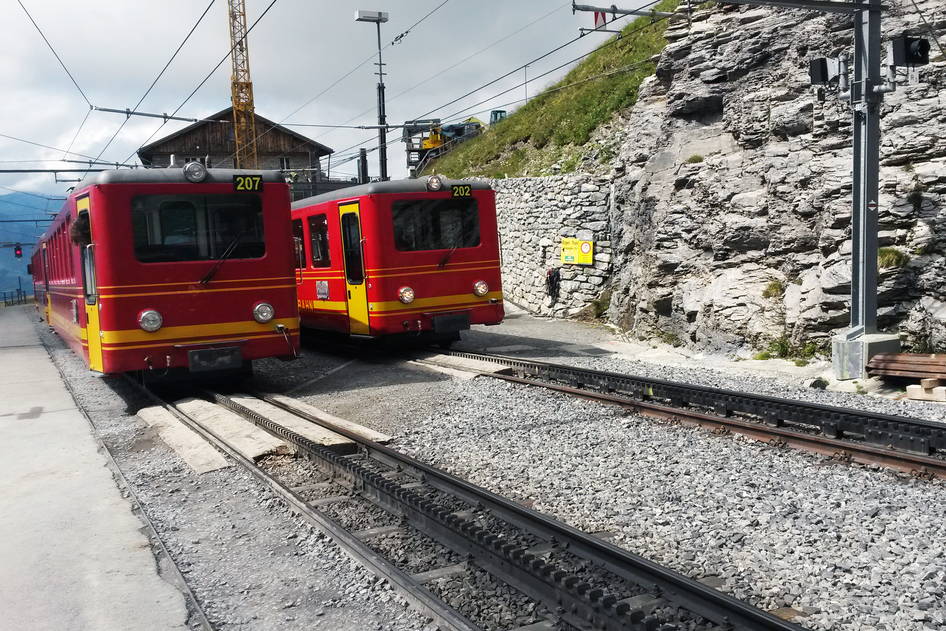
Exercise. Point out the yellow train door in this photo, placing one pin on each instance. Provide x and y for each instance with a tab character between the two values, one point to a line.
350	219
89	290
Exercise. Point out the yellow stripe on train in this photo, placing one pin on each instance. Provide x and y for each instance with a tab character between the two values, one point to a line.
460	300
196	331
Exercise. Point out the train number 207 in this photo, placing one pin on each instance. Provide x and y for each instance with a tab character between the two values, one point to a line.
248	183
461	190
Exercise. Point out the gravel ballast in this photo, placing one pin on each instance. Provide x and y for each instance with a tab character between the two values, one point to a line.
851	547
251	563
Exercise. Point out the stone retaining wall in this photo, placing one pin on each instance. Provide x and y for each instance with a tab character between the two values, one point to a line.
534	215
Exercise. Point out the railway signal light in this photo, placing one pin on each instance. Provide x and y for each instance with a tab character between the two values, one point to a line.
818	71
910	51
18	251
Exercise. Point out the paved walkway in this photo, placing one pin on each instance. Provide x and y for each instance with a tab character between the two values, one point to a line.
72	554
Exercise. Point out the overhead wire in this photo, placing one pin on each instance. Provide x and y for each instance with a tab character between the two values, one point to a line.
205	79
608	43
440	73
540	18
55	54
342	152
539	58
64	151
342	78
559	67
33	160
78	131
33	208
397	40
629	68
48	197
156	79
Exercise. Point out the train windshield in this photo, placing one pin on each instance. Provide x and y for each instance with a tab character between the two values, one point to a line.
170	228
436	224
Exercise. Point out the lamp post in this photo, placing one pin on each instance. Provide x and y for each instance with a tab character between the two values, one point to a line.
378	17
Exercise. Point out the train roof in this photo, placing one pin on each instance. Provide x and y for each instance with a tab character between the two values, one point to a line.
418	185
171	175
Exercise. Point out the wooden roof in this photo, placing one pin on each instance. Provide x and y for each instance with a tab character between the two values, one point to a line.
217	138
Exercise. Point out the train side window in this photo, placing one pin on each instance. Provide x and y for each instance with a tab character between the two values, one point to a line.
45	269
87	256
298	238
318	240
351	244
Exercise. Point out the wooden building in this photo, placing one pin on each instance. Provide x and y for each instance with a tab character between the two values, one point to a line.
277	147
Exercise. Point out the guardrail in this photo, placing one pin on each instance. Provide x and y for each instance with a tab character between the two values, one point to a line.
12	297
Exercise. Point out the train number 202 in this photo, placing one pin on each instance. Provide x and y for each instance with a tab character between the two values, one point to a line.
248	183
461	190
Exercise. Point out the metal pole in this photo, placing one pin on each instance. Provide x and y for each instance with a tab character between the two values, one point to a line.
362	166
865	103
382	122
853	348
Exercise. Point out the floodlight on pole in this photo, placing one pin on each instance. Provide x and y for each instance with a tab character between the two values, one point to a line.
379	17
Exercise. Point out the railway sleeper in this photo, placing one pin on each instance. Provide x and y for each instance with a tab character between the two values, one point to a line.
543	581
578	603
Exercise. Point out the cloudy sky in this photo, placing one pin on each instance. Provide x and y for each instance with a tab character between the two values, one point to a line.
300	48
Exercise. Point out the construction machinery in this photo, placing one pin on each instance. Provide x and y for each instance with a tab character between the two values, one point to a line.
244	121
428	138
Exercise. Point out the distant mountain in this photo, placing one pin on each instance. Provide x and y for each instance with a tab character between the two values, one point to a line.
21	206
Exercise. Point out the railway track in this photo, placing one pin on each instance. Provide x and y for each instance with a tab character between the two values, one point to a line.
911	445
577	580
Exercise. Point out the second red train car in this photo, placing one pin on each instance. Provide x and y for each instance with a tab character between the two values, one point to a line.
415	257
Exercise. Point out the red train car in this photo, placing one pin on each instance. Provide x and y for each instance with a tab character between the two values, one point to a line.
417	257
171	270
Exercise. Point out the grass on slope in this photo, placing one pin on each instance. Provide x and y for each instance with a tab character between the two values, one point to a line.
552	127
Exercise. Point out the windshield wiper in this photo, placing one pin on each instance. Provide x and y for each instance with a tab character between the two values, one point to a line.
227	252
446	257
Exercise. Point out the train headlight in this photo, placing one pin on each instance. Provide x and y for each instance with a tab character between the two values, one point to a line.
405	295
195	172
480	288
150	320
434	183
263	312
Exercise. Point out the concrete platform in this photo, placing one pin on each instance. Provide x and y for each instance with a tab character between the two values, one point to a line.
199	455
72	554
251	441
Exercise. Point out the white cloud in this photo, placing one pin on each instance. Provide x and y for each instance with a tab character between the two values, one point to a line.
115	49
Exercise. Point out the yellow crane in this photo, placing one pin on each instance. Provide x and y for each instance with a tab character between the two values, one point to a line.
244	120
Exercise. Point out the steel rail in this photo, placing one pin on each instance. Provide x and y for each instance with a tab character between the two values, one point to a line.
573	600
899	438
420	598
510	561
845	450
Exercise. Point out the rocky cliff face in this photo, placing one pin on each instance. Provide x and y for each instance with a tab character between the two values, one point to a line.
732	186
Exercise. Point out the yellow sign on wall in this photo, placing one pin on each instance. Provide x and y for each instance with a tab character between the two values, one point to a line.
578	252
